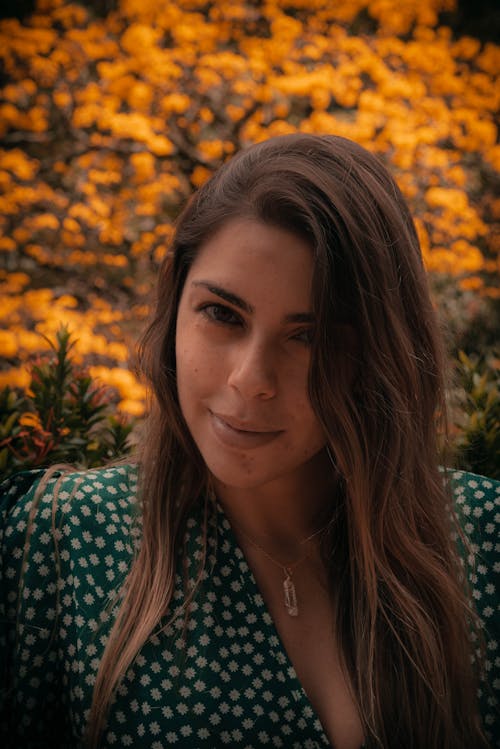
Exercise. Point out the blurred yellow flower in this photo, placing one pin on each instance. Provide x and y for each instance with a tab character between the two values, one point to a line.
66	300
442	197
140	96
17	162
493	156
199	175
144	165
175	102
213	78
206	115
122	379
140	37
132	407
7	244
472	283
115	261
29	419
71	225
234	112
160	145
211	149
44	221
15	377
8	344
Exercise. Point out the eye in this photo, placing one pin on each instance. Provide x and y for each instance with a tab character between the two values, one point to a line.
304	336
220	314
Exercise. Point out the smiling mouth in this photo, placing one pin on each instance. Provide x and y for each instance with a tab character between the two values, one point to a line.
240	426
235	434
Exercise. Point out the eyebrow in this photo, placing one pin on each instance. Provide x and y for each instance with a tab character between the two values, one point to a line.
237	301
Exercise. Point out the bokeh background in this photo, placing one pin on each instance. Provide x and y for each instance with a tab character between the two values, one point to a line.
113	111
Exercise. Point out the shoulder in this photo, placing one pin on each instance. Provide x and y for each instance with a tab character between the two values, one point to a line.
476	502
471	486
83	511
85	493
66	545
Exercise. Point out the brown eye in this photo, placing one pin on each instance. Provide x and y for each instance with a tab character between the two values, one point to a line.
304	336
221	314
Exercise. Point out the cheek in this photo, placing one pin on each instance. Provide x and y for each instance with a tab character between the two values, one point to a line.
186	363
188	377
306	430
197	365
187	345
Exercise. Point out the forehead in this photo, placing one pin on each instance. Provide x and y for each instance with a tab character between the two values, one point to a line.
262	259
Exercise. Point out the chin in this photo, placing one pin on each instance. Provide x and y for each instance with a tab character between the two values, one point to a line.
245	474
240	479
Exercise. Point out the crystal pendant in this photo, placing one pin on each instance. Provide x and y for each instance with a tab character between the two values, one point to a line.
290	594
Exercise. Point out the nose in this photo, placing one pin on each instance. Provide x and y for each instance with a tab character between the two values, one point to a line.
253	371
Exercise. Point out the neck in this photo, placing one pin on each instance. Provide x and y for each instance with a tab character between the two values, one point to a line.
282	513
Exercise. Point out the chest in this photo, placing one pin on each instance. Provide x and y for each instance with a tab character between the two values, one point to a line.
311	647
224	680
228	678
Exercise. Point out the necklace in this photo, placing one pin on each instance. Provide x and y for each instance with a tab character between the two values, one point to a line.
290	593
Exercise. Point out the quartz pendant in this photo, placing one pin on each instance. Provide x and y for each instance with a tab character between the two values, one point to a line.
290	594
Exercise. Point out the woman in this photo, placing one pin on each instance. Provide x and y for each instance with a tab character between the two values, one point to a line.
290	575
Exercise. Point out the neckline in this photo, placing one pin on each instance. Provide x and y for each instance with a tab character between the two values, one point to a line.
238	559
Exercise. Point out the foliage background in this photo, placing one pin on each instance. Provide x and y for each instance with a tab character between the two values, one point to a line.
113	111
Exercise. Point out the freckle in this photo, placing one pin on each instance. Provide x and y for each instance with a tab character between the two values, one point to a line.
248	465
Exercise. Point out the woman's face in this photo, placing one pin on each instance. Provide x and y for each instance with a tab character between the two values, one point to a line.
243	351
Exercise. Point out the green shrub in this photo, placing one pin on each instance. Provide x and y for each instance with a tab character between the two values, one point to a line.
477	443
64	416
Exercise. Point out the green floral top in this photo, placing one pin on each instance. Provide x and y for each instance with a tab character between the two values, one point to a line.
226	682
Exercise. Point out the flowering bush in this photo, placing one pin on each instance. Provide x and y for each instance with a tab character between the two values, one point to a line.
109	121
64	416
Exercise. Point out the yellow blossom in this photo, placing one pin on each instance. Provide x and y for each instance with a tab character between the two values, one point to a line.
144	165
441	197
18	163
234	112
116	261
489	59
44	221
66	300
17	281
71	225
15	377
426	103
122	379
132	407
206	115
140	96
211	149
199	175
29	419
160	145
8	344
175	102
140	37
493	156
7	244
472	283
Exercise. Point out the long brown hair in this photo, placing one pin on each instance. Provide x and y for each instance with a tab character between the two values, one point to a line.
402	616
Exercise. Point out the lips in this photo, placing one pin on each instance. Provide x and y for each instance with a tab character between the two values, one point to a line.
243	426
234	433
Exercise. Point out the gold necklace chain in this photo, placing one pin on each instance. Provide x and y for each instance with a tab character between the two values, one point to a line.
290	593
